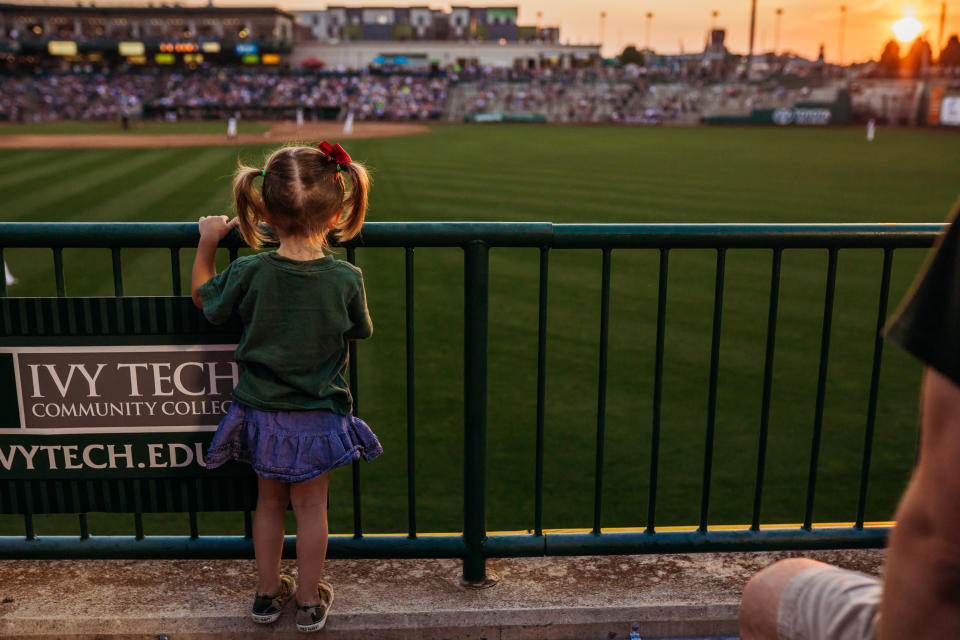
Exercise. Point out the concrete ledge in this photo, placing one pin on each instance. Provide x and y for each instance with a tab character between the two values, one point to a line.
537	598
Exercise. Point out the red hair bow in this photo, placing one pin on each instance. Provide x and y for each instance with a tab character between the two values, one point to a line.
334	151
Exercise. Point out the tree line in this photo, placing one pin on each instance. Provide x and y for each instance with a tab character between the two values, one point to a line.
892	62
918	56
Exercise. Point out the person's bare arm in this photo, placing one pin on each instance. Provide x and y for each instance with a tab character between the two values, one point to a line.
921	588
212	230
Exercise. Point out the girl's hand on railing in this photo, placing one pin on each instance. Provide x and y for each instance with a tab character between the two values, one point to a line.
214	228
212	231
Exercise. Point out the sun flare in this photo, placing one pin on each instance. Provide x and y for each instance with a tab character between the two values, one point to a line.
907	28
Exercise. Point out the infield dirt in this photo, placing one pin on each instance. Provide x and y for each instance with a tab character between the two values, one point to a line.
280	132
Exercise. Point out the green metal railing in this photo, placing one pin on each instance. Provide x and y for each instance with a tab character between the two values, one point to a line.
474	546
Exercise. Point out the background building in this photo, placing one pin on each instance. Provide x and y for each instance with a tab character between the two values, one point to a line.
419	38
461	23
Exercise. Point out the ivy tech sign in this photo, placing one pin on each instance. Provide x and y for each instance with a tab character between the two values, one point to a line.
129	410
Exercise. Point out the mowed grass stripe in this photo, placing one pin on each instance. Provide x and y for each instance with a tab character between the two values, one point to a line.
84	163
20	157
645	202
37	172
754	202
68	198
716	188
156	185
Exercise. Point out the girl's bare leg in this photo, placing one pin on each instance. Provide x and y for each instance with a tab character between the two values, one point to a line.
272	499
310	507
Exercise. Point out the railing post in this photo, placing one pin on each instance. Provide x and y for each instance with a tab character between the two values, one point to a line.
475	299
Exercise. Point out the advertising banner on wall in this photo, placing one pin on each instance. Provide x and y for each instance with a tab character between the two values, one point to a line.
126	411
804	114
950	111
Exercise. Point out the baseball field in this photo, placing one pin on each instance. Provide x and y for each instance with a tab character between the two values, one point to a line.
570	174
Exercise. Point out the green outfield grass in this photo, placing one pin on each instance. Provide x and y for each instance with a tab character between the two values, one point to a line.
574	174
151	127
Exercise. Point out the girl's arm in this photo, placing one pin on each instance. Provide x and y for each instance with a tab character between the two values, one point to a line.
212	231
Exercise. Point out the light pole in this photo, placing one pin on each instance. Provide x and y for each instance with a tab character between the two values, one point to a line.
649	20
603	17
843	25
943	20
713	23
753	31
776	31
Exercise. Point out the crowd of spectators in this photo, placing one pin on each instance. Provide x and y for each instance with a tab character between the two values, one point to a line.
391	97
100	96
76	97
604	94
596	94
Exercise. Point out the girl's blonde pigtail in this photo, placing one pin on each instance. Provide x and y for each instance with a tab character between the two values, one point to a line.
249	204
355	206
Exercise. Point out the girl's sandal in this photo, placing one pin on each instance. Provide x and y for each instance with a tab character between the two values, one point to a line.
312	617
267	608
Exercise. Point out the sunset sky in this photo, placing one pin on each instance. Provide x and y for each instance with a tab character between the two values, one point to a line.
804	24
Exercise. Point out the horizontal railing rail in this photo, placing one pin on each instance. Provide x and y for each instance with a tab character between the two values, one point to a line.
497	234
474	546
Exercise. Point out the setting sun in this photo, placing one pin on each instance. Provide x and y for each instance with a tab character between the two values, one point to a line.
907	28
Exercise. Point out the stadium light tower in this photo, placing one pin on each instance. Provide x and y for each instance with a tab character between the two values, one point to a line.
753	32
776	31
843	26
649	20
943	20
713	23
603	17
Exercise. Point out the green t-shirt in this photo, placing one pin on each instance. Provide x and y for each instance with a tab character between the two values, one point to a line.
297	319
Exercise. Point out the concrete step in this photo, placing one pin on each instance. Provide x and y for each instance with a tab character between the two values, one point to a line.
556	598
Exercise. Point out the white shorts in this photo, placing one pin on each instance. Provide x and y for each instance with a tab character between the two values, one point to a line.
829	603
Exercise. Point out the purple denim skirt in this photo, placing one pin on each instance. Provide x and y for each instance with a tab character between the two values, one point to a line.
291	446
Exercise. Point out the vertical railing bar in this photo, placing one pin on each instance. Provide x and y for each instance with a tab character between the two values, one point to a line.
354	391
476	289
874	385
411	413
247	524
138	508
602	387
821	386
541	389
58	271
84	526
234	252
355	480
657	390
712	394
175	270
117	272
3	280
30	531
194	528
767	385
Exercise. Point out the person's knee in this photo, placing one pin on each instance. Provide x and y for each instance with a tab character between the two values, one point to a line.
310	495
272	496
760	604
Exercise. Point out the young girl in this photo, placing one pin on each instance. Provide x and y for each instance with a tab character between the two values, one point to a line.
291	415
